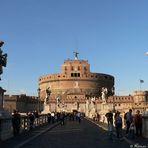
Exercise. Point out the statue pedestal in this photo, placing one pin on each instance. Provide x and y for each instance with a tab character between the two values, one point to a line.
5	120
92	109
92	113
104	109
46	109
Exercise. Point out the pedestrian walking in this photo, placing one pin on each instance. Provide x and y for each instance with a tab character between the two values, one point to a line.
79	117
16	122
36	115
62	116
138	123
118	125
129	119
110	129
52	117
49	117
31	120
109	117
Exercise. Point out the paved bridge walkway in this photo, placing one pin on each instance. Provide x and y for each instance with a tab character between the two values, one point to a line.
71	135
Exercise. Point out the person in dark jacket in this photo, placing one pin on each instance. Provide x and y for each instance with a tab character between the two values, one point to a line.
109	116
138	123
118	125
31	120
129	120
16	122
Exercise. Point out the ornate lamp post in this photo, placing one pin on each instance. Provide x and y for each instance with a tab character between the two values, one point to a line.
3	62
5	117
39	90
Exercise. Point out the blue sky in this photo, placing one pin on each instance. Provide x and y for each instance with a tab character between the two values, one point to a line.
40	34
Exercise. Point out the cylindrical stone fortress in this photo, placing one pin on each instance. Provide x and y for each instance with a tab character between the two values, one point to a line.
75	79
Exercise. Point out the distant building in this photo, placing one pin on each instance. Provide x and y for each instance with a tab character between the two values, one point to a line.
22	103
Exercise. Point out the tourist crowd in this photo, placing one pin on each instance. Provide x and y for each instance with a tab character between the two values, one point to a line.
133	124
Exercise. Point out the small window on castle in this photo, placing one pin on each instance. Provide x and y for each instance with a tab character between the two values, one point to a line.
65	68
71	67
59	76
78	67
75	74
105	77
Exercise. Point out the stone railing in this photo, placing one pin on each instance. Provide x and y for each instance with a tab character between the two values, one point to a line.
6	134
41	120
145	124
5	128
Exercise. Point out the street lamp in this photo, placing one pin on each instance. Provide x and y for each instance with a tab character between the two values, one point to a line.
3	63
39	90
147	53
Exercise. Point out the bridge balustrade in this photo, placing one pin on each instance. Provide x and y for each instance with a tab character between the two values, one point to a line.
25	122
5	133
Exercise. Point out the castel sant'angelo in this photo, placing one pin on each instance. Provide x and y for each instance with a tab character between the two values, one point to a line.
77	88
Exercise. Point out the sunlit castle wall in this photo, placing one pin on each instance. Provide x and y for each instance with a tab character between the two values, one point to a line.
140	96
75	78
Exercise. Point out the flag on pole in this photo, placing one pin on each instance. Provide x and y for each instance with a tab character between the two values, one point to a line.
141	81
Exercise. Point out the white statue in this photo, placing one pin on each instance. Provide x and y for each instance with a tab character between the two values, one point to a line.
93	103
58	100
104	94
48	92
76	55
93	99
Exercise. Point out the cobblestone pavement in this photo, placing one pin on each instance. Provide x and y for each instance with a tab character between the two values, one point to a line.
75	135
